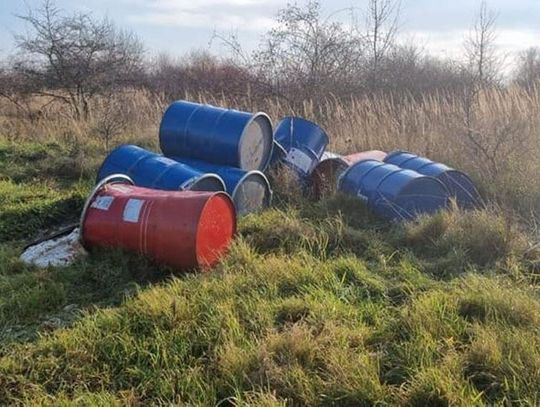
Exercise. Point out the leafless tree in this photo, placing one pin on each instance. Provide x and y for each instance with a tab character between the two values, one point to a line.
382	23
480	50
308	53
111	120
528	68
482	70
75	57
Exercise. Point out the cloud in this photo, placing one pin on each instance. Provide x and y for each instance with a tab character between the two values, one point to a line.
249	15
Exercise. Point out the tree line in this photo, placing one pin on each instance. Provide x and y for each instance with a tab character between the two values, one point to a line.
72	58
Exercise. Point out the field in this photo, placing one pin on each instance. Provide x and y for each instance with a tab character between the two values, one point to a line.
317	303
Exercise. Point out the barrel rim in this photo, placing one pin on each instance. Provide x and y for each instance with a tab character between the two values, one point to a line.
475	197
268	196
267	133
234	223
190	183
113	178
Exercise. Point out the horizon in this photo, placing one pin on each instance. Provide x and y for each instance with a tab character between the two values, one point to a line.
177	27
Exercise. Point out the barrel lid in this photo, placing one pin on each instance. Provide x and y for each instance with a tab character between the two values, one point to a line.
255	145
252	192
111	179
215	230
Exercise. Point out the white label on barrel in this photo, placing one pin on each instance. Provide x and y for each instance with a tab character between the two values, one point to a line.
102	203
300	160
132	210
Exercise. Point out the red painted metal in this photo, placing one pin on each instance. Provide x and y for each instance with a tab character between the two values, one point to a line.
365	155
183	229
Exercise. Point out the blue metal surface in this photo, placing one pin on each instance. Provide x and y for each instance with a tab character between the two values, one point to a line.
250	190
151	170
216	135
458	183
304	142
393	192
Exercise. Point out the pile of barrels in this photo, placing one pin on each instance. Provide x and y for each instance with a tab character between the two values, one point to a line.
180	207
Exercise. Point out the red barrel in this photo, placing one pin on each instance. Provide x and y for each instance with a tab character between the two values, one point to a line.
365	155
183	229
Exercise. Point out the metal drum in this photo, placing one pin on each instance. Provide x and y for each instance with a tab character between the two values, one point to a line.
250	190
460	186
393	192
304	142
365	155
183	229
325	175
152	170
216	135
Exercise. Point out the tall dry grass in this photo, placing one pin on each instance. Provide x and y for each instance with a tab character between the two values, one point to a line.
494	137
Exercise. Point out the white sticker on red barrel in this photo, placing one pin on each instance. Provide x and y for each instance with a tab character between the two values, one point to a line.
102	203
300	160
132	210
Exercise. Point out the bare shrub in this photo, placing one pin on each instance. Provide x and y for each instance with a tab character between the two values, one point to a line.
73	58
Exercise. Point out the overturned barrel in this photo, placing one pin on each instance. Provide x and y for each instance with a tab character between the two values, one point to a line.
151	170
365	155
393	192
183	229
325	175
250	190
216	135
459	185
304	142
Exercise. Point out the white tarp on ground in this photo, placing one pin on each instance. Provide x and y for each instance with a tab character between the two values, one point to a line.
60	251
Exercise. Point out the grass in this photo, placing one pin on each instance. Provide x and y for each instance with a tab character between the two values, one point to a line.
317	303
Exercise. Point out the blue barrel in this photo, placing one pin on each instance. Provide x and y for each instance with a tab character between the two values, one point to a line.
304	142
393	192
152	170
458	183
216	135
250	190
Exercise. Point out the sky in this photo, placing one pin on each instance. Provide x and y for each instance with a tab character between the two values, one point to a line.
178	26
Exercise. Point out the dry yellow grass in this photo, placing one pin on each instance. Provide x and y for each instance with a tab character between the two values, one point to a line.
498	145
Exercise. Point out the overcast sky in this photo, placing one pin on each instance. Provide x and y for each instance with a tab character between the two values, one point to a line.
177	26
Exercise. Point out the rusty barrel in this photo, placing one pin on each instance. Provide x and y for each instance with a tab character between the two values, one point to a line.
183	229
216	135
151	170
303	141
250	190
460	186
365	155
325	175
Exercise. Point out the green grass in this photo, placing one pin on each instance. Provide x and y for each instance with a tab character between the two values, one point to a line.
317	303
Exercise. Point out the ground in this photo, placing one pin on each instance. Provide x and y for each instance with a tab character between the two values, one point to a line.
317	303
